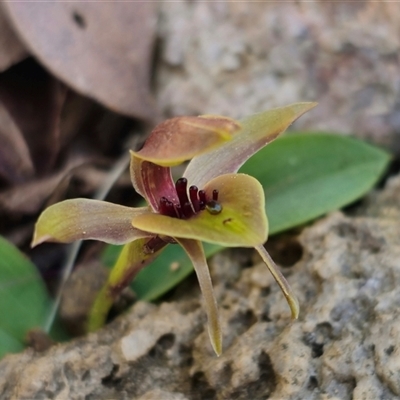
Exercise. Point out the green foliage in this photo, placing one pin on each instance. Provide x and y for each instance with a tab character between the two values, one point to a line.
24	299
304	175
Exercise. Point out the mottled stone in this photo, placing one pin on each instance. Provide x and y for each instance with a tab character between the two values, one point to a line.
235	59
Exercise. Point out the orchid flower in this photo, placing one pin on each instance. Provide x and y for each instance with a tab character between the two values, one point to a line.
211	203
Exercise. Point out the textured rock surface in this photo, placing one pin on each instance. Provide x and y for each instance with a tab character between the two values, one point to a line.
344	346
232	58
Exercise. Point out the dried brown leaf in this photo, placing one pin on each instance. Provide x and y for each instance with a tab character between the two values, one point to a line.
101	49
34	100
15	161
11	48
29	197
81	175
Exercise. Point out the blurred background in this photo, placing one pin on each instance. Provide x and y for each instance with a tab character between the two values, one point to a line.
80	81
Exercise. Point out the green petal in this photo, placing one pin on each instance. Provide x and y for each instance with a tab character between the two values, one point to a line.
195	251
242	221
257	131
133	257
79	219
180	139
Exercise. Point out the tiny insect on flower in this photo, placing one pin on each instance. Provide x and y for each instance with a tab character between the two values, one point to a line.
210	203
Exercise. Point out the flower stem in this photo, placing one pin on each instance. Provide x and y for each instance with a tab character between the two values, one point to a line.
133	257
281	281
100	308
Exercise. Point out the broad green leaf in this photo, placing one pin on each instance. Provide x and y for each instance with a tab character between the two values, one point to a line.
304	175
9	344
24	299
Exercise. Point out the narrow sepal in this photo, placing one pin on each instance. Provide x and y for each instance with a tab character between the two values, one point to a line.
256	131
78	219
281	281
194	250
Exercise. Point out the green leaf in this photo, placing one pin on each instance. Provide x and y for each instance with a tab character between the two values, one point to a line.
8	344
304	175
24	299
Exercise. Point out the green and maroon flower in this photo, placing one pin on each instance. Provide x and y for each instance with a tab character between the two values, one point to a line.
210	203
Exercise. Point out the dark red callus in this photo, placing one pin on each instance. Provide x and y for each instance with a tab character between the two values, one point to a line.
187	210
203	199
193	194
215	195
167	207
188	205
181	191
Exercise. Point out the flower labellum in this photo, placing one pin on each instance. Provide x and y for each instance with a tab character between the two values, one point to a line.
189	203
210	203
